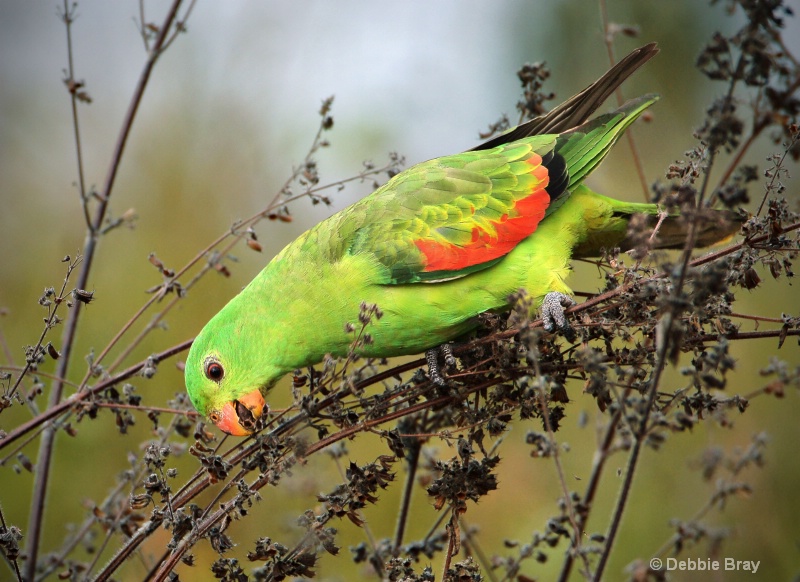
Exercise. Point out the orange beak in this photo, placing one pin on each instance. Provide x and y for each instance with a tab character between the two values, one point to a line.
238	418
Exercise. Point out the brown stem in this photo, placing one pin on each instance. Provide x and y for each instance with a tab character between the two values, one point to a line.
667	323
50	322
68	340
13	561
69	18
734	163
775	173
635	157
598	464
412	458
472	543
64	406
141	408
121	509
577	529
451	545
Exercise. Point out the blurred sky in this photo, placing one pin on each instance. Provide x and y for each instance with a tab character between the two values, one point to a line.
232	106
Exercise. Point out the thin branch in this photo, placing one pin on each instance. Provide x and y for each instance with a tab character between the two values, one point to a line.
472	543
141	408
180	25
577	529
776	171
49	323
740	153
68	17
412	460
42	475
143	27
601	455
12	561
452	543
608	37
13	452
666	325
65	405
121	511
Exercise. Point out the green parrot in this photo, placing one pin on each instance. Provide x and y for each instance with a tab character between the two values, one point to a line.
433	248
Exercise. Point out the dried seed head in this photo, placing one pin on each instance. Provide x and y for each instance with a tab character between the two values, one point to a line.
83	296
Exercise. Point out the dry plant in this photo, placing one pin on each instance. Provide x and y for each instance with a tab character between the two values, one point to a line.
654	308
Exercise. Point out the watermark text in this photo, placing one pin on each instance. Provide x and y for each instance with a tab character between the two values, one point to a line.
705	565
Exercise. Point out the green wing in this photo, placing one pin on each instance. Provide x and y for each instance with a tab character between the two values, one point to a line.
451	216
455	215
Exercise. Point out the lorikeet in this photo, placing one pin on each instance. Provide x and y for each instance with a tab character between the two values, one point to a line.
436	246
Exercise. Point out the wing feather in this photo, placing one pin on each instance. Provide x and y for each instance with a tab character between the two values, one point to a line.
454	215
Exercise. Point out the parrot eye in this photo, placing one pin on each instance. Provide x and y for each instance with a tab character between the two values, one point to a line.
214	371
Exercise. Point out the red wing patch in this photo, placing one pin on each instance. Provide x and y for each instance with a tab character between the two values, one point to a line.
498	238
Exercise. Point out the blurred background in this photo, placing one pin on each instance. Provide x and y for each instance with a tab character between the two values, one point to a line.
230	110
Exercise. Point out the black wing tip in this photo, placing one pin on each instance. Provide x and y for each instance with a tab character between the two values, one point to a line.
650	49
557	172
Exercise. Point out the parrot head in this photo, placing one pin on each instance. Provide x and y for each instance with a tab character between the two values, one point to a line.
226	377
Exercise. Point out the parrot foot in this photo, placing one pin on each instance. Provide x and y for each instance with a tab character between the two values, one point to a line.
553	317
432	357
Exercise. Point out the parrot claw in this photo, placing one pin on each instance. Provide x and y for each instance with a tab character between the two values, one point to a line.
553	317
447	352
432	357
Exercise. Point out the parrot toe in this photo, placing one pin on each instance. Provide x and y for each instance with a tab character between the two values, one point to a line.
553	316
432	358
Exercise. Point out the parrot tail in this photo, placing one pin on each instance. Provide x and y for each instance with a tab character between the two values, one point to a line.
714	226
627	225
